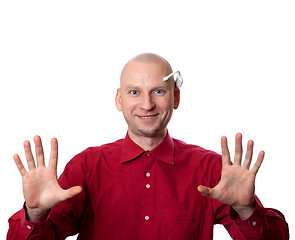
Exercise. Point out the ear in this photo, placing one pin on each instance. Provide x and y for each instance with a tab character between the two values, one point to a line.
176	97
118	100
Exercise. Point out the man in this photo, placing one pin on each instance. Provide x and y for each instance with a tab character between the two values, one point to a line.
148	185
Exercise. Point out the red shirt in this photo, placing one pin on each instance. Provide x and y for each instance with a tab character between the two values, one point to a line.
132	194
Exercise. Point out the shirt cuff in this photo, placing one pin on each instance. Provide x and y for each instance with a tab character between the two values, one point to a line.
251	224
38	227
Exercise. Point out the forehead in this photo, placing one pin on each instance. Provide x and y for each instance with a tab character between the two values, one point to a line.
145	73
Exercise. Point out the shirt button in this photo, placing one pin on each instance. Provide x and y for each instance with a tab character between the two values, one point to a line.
29	227
146	217
148	174
254	224
147	186
148	154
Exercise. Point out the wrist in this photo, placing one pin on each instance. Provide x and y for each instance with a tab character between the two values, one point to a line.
245	211
36	214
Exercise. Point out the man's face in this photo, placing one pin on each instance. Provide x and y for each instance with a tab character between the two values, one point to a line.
147	102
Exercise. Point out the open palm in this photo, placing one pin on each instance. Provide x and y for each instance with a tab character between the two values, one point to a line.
40	186
237	183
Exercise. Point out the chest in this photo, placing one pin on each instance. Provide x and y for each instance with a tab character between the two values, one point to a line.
148	199
148	185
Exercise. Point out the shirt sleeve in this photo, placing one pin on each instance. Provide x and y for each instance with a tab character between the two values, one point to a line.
20	228
264	223
63	220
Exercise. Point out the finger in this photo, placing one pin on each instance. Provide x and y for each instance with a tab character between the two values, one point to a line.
205	190
19	165
29	155
258	162
238	149
225	152
53	154
39	151
249	154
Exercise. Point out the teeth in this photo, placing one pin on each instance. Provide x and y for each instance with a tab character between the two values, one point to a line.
147	117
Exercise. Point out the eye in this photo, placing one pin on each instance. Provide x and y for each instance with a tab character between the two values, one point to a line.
159	92
133	92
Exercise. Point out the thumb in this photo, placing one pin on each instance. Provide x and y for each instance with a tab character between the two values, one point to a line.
205	190
71	192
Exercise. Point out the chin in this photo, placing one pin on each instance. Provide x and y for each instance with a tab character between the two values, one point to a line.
151	132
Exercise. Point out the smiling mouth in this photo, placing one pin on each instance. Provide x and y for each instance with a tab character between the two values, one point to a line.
148	117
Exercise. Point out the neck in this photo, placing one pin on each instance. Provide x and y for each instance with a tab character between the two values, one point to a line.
147	143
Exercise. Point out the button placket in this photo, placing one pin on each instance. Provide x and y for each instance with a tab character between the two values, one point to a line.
147	191
29	227
148	186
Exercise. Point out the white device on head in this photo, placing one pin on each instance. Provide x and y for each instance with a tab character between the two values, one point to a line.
177	78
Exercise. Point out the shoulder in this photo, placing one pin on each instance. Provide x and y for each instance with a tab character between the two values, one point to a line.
207	164
108	148
195	150
92	154
197	156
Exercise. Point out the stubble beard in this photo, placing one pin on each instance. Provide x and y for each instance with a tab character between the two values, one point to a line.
149	133
159	129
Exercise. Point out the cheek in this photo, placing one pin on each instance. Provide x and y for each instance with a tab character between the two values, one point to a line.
166	106
128	106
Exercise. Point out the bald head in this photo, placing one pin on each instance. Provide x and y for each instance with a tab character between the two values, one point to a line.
146	100
145	59
149	57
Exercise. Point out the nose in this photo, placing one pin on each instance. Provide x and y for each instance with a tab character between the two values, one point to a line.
147	103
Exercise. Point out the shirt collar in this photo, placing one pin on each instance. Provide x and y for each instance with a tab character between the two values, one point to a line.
164	151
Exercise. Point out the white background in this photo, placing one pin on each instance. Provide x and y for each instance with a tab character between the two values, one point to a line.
60	63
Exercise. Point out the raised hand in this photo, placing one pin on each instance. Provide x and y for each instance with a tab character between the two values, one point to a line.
40	187
237	184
